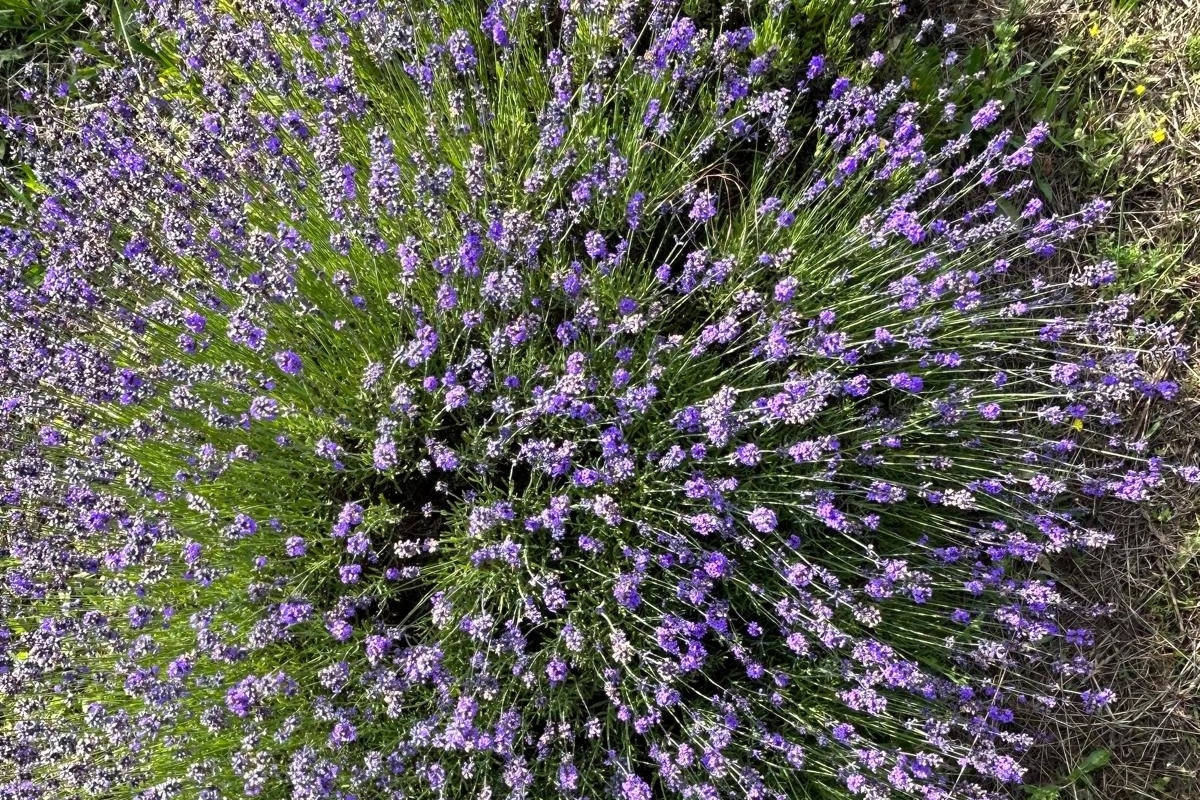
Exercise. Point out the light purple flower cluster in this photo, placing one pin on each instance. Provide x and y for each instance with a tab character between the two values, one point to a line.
640	409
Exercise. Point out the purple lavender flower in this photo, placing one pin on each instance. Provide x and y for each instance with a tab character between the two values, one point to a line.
556	671
762	519
339	629
462	52
626	591
909	383
748	455
191	553
634	788
343	733
595	245
293	612
704	208
989	411
987	115
1094	702
289	362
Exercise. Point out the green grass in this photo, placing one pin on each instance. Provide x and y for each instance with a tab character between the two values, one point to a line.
35	38
1191	53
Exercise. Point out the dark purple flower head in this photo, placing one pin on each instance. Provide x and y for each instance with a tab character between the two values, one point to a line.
704	208
909	383
556	671
343	733
191	553
988	114
634	788
288	361
762	519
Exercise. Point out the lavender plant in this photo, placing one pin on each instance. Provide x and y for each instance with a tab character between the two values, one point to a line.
605	399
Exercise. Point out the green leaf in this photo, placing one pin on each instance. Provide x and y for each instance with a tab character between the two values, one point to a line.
1059	52
1092	762
1021	71
1044	187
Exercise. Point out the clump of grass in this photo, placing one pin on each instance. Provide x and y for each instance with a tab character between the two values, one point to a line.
36	38
1191	52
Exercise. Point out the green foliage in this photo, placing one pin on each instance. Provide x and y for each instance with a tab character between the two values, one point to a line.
1076	779
35	36
1191	53
36	40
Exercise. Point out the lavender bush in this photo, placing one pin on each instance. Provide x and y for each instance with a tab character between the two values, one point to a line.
598	400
